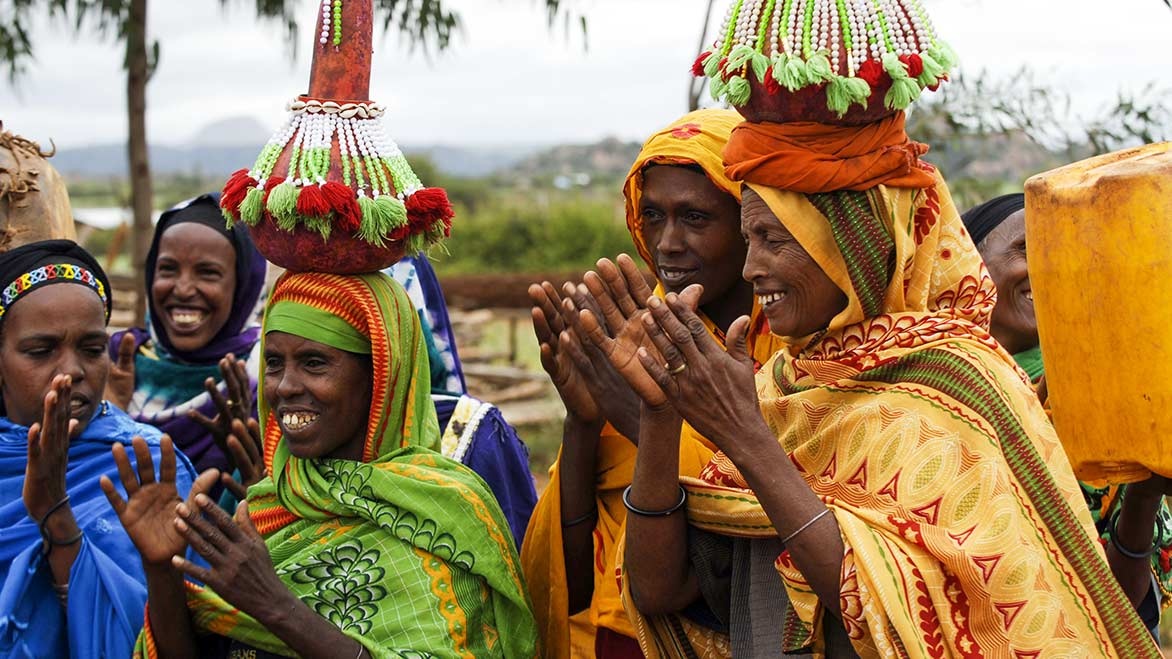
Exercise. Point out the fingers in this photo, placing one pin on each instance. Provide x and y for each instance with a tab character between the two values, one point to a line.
690	296
166	460
736	340
671	356
569	345
244	520
546	298
112	495
142	458
204	536
541	326
34	442
220	521
202	575
549	361
617	284
203	484
257	442
595	333
61	411
675	330
125	471
231	384
615	310
636	282
234	486
658	373
218	398
246	439
241	458
126	353
578	299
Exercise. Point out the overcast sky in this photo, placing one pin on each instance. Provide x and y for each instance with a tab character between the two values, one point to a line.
509	79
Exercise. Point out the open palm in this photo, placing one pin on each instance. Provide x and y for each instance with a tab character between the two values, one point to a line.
148	514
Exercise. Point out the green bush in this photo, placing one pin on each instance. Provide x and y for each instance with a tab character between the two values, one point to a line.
510	236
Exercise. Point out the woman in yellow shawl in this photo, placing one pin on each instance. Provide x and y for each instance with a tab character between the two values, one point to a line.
683	214
363	541
916	499
922	502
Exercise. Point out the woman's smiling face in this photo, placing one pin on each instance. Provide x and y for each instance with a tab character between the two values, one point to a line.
320	396
194	284
797	297
1004	252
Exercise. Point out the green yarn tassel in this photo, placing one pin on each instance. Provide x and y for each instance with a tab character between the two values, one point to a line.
321	225
712	64
842	92
738	90
943	54
760	66
902	93
818	68
415	244
229	221
932	71
716	88
894	67
793	73
253	206
283	205
739	57
380	217
395	210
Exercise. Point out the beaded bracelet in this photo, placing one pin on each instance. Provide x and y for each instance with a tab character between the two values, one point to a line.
1159	539
593	514
654	513
47	541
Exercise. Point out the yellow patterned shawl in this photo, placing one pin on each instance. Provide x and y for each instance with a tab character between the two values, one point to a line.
696	138
965	534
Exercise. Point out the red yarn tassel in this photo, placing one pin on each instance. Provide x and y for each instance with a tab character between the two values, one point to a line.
311	203
698	65
347	214
771	84
426	207
234	190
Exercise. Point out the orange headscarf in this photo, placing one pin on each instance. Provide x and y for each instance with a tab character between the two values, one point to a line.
811	157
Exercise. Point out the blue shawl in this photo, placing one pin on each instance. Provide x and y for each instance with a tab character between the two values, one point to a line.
107	587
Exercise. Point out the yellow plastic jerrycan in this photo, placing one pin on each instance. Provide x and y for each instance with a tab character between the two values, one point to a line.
1099	237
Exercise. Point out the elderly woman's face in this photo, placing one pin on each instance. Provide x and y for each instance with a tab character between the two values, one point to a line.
1004	252
319	394
796	296
54	330
194	284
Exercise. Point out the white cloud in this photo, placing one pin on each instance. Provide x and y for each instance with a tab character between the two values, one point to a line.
508	78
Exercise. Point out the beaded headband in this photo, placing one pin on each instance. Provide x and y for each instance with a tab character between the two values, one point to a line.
864	58
51	274
330	191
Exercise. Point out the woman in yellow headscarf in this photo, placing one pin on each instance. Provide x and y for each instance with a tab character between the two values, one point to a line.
684	217
890	486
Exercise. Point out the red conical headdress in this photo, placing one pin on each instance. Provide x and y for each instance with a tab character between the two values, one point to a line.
330	191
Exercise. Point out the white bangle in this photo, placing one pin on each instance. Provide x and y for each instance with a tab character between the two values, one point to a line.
805	526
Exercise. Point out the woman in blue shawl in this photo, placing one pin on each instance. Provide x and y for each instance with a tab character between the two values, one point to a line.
204	285
474	432
72	584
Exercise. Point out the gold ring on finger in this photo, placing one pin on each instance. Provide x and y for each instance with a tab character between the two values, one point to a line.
679	369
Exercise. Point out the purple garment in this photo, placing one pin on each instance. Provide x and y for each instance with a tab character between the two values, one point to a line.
169	383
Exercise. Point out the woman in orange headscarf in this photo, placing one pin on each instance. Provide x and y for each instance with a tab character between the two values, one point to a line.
683	214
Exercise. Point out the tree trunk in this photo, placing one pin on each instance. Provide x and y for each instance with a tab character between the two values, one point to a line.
141	193
696	86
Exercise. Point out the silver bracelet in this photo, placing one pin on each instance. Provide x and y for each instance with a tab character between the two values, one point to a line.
805	526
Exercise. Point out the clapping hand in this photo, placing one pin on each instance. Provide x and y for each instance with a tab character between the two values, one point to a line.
244	448
556	345
237	406
120	382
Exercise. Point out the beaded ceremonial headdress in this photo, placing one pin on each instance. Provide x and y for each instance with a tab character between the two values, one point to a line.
835	61
330	191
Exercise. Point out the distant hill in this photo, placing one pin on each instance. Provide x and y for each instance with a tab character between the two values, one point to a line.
609	158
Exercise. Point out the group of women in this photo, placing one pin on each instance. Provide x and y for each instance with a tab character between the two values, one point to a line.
811	434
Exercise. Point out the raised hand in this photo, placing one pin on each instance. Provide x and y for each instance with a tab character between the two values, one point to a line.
149	511
711	386
239	567
237	406
549	327
48	451
244	448
120	382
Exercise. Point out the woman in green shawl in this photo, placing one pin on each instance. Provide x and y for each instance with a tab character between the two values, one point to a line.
364	542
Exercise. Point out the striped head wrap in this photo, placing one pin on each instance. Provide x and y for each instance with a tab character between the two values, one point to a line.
36	265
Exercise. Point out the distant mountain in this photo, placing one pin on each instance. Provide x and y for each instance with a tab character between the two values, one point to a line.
232	132
606	159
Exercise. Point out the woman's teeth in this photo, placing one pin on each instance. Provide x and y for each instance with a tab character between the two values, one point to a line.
297	420
766	300
187	317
